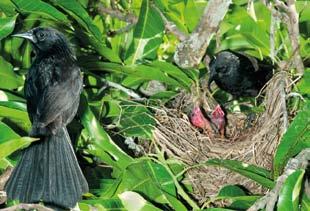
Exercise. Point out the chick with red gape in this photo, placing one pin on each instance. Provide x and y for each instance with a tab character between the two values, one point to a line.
217	120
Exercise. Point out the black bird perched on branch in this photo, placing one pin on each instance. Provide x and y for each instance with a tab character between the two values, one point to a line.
239	74
48	170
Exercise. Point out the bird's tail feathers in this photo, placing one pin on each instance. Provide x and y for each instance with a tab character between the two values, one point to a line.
48	171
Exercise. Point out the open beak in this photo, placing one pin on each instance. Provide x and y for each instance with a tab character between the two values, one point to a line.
27	35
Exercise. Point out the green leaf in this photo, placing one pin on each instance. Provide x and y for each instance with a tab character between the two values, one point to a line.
7	7
151	180
102	145
191	14
144	72
258	174
174	72
15	112
6	133
134	202
290	192
231	190
296	138
7	26
11	145
8	79
148	34
41	8
136	120
305	202
304	84
102	204
238	197
75	9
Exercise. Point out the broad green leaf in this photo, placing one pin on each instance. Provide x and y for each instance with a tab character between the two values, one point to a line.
148	34
290	192
102	204
134	202
9	146
144	72
7	26
8	79
41	8
237	196
6	133
136	120
151	180
75	9
219	209
16	113
304	84
305	202
258	174
7	7
102	145
191	14
296	138
174	72
231	190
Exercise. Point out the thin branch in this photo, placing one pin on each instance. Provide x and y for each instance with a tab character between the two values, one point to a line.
5	176
170	26
129	18
37	207
293	30
269	200
190	52
129	92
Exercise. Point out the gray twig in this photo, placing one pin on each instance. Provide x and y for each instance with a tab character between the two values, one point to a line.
269	200
170	26
129	18
190	51
129	92
37	207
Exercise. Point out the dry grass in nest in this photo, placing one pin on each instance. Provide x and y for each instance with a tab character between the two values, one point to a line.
255	145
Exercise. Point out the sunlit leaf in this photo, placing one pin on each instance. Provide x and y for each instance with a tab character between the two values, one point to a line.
7	26
255	173
8	79
134	202
148	35
296	138
290	192
41	8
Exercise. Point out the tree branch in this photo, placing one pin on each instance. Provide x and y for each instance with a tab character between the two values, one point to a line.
190	52
37	207
293	30
170	26
269	200
129	18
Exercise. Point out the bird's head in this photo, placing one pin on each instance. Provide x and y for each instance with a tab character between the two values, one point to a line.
46	40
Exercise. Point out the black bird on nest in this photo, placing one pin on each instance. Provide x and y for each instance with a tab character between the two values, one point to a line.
239	74
48	170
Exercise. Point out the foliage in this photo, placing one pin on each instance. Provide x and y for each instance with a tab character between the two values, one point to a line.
132	59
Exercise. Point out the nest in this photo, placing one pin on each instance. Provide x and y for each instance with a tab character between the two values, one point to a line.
253	145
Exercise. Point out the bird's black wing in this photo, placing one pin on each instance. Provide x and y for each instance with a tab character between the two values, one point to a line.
59	98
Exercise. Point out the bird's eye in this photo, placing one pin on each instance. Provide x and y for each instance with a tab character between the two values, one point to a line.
41	35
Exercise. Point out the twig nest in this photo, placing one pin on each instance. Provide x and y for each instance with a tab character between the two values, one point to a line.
253	145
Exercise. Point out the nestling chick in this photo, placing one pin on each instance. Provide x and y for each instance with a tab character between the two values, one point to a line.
218	118
198	120
239	74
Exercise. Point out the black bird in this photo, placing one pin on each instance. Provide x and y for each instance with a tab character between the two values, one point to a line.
48	170
239	74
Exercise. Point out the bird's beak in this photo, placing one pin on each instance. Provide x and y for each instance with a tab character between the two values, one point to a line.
27	35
